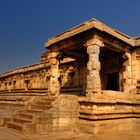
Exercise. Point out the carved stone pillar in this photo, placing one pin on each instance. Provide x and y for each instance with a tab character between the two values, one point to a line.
127	73
54	85
93	66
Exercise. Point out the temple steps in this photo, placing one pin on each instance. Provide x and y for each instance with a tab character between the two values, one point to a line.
15	126
25	121
42	107
33	110
21	120
11	104
43	102
48	100
25	115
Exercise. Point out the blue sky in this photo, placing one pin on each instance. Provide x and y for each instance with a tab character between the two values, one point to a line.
25	25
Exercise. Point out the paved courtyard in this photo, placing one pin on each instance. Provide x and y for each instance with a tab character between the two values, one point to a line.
5	134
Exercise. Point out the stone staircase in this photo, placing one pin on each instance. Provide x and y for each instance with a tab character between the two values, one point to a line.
25	121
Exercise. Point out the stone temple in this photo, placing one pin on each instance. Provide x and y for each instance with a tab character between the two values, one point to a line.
88	80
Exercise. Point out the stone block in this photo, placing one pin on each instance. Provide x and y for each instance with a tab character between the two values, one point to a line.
95	127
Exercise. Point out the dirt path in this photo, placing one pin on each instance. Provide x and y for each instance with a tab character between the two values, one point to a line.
5	134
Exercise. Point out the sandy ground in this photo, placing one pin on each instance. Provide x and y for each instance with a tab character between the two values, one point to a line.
5	134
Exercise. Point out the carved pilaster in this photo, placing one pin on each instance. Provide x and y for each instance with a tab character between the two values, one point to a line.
54	85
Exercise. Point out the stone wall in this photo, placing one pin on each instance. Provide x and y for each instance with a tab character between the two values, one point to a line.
28	80
38	77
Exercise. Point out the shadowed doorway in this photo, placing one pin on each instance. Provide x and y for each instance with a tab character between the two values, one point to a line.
112	81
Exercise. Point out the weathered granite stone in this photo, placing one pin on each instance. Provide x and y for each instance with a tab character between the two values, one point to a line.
93	66
54	85
88	59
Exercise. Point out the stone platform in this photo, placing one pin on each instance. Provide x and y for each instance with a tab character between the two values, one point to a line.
42	114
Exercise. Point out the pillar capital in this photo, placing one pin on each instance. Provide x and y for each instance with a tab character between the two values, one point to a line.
95	40
52	55
127	59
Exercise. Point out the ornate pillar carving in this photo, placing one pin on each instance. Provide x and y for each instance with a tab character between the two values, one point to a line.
93	66
54	85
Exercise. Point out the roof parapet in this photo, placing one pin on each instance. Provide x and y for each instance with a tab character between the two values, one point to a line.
25	69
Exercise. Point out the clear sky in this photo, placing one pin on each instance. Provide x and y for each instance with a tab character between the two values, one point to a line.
25	25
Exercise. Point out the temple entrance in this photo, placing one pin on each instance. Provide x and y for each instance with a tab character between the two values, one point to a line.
111	69
113	81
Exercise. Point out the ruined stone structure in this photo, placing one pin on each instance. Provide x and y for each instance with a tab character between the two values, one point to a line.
92	73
